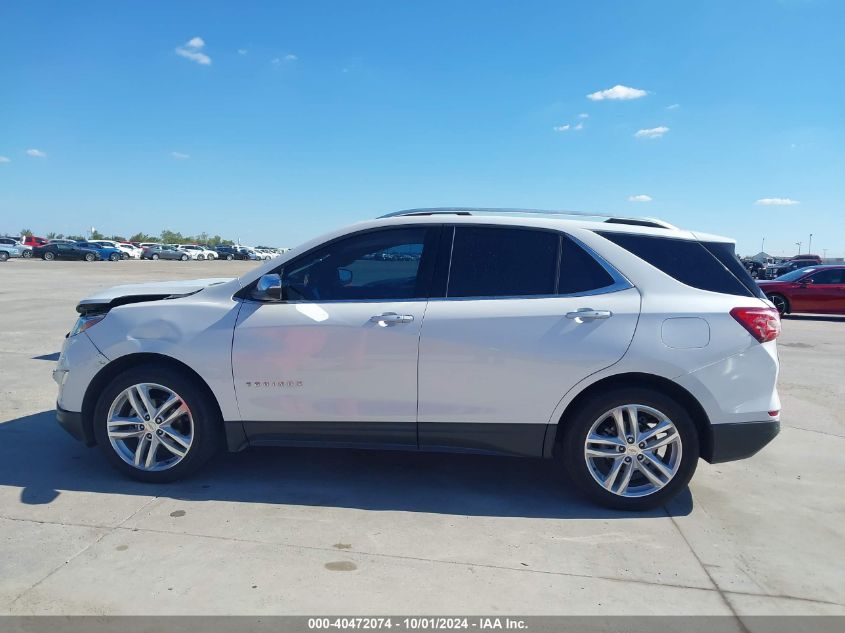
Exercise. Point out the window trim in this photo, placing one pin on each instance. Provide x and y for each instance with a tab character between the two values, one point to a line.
620	282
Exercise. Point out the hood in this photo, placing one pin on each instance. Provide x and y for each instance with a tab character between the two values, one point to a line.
104	300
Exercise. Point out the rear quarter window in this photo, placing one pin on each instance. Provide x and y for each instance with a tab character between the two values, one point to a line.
706	266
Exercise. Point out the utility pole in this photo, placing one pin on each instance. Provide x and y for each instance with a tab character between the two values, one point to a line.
824	254
810	247
798	244
763	246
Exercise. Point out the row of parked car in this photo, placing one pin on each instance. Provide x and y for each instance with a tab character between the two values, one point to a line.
111	250
772	268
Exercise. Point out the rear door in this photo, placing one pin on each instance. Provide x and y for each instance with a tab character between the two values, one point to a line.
506	342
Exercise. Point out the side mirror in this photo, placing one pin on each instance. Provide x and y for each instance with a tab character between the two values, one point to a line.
344	275
268	288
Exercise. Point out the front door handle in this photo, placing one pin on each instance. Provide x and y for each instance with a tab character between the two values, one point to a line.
588	314
391	318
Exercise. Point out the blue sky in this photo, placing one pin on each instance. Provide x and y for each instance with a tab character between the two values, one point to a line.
275	121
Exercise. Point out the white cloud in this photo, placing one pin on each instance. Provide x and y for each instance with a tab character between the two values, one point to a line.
242	51
287	58
180	155
583	115
674	106
3	159
579	127
620	92
192	49
639	198
36	153
652	132
777	202
291	57
562	128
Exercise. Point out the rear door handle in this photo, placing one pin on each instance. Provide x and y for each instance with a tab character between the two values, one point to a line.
588	314
391	318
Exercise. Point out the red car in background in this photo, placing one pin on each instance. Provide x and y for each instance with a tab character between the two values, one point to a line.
31	240
816	289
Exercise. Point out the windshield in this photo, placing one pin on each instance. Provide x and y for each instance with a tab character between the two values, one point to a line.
795	274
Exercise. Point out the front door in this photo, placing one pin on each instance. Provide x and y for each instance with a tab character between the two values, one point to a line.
336	360
507	342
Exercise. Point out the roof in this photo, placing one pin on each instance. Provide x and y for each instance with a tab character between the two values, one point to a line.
474	211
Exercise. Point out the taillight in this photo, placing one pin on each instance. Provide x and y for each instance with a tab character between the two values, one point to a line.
762	323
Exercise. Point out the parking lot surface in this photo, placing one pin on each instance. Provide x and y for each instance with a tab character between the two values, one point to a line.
305	531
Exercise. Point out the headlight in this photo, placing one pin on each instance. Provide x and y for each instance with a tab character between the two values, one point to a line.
85	322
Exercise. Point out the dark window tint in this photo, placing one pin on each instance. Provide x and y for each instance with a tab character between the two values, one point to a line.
579	271
375	265
687	261
725	252
829	276
502	262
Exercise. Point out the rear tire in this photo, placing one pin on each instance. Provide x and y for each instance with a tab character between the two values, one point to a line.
26	254
591	474
48	256
204	428
184	258
229	258
780	302
114	257
154	256
4	256
89	257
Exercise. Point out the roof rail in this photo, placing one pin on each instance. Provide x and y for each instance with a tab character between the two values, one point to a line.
610	218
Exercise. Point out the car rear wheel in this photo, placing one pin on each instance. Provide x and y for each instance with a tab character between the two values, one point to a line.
89	257
124	256
48	256
200	257
154	256
229	257
114	257
630	449
184	258
780	302
26	254
4	256
155	424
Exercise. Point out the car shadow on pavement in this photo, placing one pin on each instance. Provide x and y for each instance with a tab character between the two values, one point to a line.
40	458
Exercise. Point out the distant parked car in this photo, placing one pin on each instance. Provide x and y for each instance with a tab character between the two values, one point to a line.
50	252
8	251
756	269
165	252
229	253
126	252
106	252
26	251
815	289
794	264
31	240
193	251
133	250
59	240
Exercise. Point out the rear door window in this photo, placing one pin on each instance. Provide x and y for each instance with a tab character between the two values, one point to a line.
503	262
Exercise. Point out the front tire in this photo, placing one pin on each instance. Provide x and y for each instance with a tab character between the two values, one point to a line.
114	257
89	257
780	302
630	448
229	258
155	424
184	258
154	256
4	256
26	254
48	256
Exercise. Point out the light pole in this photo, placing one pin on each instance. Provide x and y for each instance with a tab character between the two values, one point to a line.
763	246
810	247
798	244
824	254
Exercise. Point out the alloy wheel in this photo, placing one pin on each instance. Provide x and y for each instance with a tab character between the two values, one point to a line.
633	450
779	303
150	427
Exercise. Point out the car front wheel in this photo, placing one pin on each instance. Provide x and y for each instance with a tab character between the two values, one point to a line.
26	254
155	424
154	256
89	257
630	449
4	256
114	257
48	256
184	258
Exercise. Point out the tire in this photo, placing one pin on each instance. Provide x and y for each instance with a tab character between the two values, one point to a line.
89	257
201	422
124	256
114	257
48	256
200	257
154	256
680	456
781	303
27	254
184	258
230	257
4	256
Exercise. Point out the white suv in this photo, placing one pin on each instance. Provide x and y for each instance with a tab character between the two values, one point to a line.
627	348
